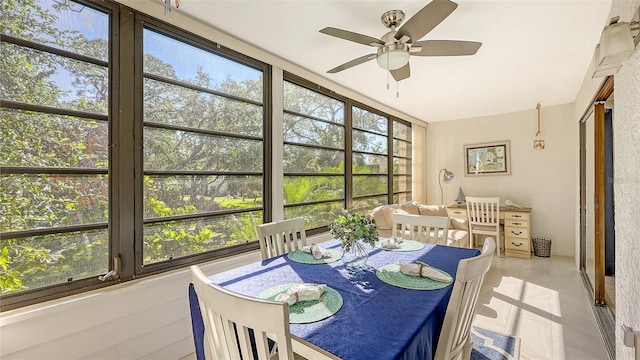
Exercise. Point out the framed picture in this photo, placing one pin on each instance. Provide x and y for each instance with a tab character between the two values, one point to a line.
487	159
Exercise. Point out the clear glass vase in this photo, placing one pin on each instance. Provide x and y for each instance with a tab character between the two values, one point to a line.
356	257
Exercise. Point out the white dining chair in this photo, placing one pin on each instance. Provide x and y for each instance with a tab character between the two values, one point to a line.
427	229
455	337
228	317
281	237
484	219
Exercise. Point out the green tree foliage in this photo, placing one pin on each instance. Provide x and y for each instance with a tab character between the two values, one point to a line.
196	149
186	134
31	139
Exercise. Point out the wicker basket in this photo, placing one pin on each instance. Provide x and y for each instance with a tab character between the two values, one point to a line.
541	246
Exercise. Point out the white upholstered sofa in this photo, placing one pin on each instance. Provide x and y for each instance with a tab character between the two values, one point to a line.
458	230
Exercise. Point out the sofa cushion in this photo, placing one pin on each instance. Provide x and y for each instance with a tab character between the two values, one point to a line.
411	207
383	215
432	210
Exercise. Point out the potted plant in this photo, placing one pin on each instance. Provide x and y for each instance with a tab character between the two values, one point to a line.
353	230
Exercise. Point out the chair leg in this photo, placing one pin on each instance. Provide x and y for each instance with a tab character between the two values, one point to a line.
466	352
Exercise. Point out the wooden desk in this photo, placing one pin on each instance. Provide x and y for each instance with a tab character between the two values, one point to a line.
517	228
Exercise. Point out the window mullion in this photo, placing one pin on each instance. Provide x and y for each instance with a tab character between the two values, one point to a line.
122	148
348	158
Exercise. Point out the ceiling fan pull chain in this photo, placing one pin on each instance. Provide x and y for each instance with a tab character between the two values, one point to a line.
397	89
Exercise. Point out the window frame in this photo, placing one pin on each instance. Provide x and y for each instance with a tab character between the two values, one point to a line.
409	141
50	292
388	155
143	21
304	83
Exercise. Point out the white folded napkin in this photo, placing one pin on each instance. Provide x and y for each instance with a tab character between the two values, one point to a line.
423	270
302	292
390	243
318	252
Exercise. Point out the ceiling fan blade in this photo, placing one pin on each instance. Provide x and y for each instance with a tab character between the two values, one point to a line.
402	73
426	19
352	63
445	48
351	36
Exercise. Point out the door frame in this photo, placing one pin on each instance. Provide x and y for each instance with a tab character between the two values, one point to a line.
598	110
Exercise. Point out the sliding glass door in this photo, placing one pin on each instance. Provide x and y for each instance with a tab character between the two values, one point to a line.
588	207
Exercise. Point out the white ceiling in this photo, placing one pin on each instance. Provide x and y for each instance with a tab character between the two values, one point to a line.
533	51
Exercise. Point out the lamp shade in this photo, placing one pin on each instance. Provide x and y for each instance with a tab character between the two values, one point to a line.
616	44
448	177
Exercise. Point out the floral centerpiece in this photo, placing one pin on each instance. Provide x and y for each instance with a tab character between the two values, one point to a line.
352	230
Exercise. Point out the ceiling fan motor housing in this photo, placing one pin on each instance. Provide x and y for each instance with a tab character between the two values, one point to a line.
392	18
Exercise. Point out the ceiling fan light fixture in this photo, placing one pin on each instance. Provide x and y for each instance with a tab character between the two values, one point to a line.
394	56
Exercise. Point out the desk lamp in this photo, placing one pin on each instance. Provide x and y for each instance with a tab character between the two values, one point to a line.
448	177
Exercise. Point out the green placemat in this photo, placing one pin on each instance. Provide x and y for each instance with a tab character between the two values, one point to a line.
405	245
307	258
392	275
306	312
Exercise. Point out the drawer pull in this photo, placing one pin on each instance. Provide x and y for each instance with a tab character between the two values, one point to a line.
517	216
516	233
457	212
517	223
514	244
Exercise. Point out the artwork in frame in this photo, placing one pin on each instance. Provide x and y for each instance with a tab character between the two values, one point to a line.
487	159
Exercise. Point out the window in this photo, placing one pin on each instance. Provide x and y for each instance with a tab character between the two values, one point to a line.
203	148
131	145
370	159
54	206
314	155
401	162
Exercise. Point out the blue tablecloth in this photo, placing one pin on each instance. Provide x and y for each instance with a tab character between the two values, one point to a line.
377	320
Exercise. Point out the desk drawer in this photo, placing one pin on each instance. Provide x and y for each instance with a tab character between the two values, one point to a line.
457	213
517	244
516	232
516	223
516	215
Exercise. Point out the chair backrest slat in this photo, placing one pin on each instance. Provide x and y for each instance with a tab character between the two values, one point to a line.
427	229
455	341
483	210
281	237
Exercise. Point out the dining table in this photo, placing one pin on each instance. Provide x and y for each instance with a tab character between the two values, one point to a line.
376	320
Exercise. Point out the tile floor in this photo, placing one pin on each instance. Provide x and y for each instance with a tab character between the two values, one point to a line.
541	300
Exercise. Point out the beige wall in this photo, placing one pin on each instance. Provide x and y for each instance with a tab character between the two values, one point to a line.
418	163
626	130
541	179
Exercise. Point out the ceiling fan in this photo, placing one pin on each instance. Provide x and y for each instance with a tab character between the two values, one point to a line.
395	47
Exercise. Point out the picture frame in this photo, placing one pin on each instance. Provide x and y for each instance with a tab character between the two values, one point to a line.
492	158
